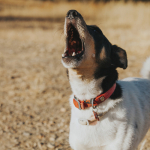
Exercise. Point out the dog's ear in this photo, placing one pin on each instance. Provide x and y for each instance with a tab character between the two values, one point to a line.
118	57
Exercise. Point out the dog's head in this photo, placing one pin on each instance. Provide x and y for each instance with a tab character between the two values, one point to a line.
86	46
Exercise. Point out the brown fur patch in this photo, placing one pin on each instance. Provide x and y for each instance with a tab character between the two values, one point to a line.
88	66
82	73
103	54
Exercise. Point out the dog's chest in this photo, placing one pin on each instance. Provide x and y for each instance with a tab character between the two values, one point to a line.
99	135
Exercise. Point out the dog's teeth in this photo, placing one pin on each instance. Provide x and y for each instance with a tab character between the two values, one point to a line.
63	55
73	54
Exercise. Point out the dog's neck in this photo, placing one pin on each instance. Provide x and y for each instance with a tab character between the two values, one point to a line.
85	86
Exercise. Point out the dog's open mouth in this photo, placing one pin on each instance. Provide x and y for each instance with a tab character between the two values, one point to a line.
74	44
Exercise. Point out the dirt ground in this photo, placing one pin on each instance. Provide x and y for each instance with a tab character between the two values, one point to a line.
34	88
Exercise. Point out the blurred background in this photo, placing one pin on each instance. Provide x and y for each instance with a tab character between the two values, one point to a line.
34	89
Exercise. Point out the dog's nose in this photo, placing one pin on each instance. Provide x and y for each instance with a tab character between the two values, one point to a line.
72	14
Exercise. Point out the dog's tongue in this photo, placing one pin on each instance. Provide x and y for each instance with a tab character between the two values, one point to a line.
72	47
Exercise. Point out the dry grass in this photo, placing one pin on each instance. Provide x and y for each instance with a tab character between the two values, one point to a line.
34	91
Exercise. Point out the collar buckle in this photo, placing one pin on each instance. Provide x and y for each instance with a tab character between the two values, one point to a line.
92	102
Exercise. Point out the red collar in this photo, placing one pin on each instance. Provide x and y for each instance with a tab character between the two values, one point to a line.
94	102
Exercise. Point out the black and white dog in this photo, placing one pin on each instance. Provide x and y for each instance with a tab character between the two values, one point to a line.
106	114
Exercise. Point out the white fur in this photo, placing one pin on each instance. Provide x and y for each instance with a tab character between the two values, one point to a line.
87	89
123	127
146	69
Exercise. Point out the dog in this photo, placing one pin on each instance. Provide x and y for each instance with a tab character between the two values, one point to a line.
106	113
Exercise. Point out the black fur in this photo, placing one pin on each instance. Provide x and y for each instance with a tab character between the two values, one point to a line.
119	57
117	93
111	77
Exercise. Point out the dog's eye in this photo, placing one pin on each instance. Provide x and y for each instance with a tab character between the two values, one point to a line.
94	30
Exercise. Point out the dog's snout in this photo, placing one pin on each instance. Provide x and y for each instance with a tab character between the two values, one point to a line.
72	14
